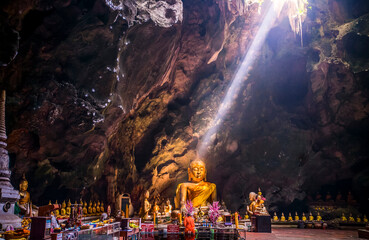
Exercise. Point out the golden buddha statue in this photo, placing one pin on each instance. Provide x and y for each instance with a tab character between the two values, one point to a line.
343	218
62	210
289	217
146	206
98	206
168	208
275	217
259	206
297	217
102	207
57	213
283	218
68	209
303	217
365	219
90	208
318	218
24	200
94	209
197	190
358	219
311	217
351	218
84	209
251	208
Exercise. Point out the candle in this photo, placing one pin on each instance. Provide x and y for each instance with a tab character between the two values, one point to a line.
180	218
154	217
127	214
236	219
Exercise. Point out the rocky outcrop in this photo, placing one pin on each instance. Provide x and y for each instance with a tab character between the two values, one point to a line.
98	107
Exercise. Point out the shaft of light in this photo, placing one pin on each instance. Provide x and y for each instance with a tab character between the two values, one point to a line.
240	76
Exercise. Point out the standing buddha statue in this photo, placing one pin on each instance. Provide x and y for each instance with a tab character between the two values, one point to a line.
197	190
146	206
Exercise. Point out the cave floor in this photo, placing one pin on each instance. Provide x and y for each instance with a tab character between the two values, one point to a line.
294	233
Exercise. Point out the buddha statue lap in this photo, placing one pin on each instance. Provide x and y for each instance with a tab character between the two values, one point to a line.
197	190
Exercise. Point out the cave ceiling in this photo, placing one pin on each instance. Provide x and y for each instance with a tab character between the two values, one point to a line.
107	97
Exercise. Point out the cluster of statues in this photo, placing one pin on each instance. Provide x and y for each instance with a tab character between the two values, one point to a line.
352	219
256	206
92	209
296	218
146	208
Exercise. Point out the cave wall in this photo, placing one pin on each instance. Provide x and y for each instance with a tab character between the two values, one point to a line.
97	107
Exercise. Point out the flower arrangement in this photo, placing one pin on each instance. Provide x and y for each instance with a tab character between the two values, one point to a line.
189	207
214	212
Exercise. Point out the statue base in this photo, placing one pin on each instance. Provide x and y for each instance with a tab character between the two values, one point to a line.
8	197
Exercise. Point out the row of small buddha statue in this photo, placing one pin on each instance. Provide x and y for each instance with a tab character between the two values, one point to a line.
352	219
93	209
310	218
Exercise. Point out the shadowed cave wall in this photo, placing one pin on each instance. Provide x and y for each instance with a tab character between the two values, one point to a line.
96	107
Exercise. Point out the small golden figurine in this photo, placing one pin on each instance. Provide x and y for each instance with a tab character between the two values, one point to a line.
289	217
275	217
311	217
94	209
84	210
68	209
62	211
146	206
57	213
318	218
358	219
283	218
102	207
351	218
297	218
303	217
90	208
343	218
168	208
98	206
24	201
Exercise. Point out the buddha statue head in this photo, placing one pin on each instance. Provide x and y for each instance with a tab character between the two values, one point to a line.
197	171
23	185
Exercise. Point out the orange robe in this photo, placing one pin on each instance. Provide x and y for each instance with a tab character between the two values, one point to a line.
189	224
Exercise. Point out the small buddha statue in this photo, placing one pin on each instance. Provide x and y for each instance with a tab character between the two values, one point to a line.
50	202
84	209
98	207
311	217
94	209
102	207
303	217
68	209
62	210
196	189
246	216
168	208
24	200
57	212
297	218
343	218
251	208
351	218
156	207
318	218
290	219
275	217
90	208
350	199
365	219
328	197
146	206
358	219
283	218
259	206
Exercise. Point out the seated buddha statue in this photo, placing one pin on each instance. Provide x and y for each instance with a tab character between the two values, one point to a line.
24	200
90	208
62	210
102	207
94	209
98	207
68	209
84	209
168	208
197	190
